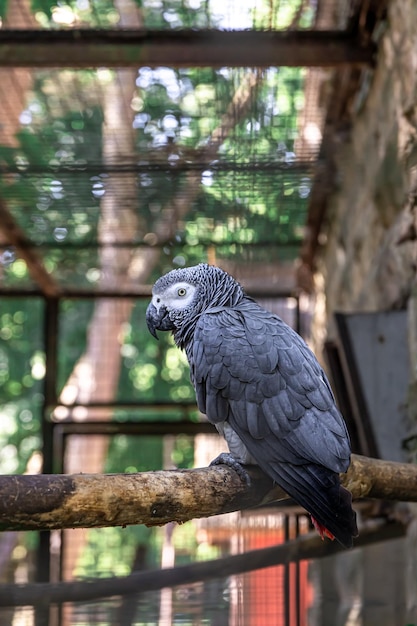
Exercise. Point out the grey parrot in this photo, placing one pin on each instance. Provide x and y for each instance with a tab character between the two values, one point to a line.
262	388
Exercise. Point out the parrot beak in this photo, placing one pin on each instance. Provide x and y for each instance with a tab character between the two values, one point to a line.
153	319
157	319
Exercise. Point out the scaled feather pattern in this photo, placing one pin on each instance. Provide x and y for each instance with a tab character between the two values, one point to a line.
262	387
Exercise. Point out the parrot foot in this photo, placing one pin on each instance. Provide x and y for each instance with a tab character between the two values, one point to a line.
225	458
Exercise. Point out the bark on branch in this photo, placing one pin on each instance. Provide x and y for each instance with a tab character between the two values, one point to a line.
155	498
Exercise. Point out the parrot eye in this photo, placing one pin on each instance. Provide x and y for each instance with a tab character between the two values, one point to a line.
181	291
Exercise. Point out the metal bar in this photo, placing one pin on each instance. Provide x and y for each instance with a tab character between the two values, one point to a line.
298	315
298	621
305	548
148	428
50	324
51	330
128	404
142	292
165	166
182	48
287	587
94	245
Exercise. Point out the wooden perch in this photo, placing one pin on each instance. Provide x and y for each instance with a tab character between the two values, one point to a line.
382	480
45	502
53	501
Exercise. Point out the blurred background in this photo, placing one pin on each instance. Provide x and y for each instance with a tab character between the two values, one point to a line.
274	138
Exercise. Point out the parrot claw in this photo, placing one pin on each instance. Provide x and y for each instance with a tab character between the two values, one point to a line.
225	458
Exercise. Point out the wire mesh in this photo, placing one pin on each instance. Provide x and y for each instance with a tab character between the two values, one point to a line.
224	166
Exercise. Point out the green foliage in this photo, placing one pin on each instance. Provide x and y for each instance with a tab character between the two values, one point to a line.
96	13
109	553
22	369
152	370
134	454
177	112
74	319
283	14
44	6
183	452
173	14
56	208
176	14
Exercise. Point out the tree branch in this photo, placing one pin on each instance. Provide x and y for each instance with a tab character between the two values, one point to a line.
383	480
155	498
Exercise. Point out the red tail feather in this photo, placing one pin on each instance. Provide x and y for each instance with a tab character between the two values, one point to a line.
323	532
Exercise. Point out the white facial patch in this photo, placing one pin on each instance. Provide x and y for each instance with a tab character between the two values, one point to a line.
176	297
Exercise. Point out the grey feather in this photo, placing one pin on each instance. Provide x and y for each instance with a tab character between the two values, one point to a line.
254	373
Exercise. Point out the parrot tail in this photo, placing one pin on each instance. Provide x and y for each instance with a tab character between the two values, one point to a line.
323	532
319	491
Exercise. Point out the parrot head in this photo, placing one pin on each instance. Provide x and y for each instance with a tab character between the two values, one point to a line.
171	301
180	296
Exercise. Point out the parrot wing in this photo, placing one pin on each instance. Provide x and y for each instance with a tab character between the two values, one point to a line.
252	370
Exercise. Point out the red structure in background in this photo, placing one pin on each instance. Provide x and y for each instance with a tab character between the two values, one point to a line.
276	596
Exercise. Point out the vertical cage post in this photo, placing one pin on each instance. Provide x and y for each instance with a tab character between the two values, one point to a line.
50	339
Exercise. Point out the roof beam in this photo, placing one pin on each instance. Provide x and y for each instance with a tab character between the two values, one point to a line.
84	48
